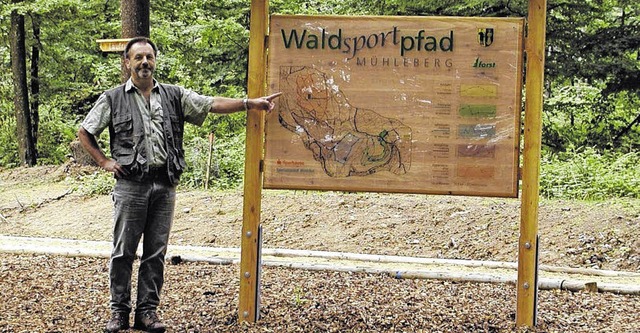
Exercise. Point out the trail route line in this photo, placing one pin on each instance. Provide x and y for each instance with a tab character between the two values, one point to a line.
345	139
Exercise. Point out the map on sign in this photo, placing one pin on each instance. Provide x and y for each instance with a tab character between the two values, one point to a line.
394	104
345	139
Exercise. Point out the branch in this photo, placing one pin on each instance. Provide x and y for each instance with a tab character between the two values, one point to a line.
522	14
19	203
233	40
626	129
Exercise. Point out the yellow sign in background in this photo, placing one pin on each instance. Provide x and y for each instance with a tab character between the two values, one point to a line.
395	104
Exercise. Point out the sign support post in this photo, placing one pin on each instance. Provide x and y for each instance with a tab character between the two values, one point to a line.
249	258
528	242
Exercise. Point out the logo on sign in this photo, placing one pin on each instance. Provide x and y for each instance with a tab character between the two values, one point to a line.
485	36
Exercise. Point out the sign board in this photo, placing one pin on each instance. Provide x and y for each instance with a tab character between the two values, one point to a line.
113	45
395	104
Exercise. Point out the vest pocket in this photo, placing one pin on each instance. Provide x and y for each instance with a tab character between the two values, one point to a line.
176	124
126	158
123	128
177	127
122	124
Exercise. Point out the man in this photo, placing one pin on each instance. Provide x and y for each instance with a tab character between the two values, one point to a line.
146	122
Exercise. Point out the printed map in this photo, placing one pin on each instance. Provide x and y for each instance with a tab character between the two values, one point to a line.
344	139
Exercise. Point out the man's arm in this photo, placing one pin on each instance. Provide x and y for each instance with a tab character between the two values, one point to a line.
90	144
230	105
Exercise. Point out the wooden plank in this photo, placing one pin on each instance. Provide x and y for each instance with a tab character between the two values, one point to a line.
249	287
379	104
528	244
113	45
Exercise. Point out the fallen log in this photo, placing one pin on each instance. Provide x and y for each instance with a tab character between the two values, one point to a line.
75	248
438	261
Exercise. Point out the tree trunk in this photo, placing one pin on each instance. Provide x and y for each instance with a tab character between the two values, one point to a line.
35	79
26	142
134	15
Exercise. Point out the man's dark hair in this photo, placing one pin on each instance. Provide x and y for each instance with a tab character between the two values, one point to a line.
139	40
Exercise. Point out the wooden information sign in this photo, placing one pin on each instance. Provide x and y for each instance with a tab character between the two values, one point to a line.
395	104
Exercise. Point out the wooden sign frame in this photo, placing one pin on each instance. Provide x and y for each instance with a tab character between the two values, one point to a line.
526	311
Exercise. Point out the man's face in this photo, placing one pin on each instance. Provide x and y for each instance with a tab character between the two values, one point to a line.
142	61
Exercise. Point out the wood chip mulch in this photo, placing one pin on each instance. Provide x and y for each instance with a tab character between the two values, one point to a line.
40	293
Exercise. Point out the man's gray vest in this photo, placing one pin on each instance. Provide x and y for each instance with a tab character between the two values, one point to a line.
126	131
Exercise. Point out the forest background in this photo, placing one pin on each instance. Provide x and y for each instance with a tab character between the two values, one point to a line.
591	115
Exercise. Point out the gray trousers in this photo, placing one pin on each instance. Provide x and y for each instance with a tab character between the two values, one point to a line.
140	208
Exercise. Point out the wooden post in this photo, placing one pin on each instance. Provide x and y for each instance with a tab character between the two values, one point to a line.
249	257
206	179
528	243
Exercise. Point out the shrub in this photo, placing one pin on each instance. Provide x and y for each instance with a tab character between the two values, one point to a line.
590	175
227	162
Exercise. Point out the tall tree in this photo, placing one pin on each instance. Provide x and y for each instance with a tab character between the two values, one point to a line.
135	22
26	141
135	18
35	78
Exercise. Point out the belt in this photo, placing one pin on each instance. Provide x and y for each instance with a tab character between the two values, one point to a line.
157	173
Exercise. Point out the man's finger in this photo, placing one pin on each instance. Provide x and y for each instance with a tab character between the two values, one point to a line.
273	96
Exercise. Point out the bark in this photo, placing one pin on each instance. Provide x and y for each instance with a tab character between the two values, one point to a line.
80	155
134	15
135	18
35	79
26	142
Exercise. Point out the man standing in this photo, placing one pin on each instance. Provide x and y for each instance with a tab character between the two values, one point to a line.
146	122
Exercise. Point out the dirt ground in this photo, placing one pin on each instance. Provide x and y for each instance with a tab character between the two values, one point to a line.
55	294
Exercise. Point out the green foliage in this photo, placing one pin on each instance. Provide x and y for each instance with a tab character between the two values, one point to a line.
71	70
227	160
593	70
319	7
590	175
55	134
96	183
595	41
69	59
579	115
8	144
203	47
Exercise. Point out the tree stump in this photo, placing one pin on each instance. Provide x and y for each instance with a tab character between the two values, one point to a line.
79	155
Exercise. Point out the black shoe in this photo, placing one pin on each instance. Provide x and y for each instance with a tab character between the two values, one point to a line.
148	321
119	321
